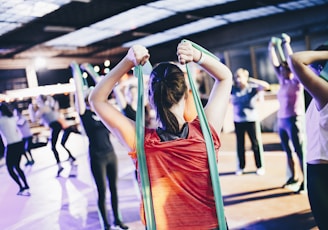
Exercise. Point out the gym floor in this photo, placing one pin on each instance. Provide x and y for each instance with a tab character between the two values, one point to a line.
70	202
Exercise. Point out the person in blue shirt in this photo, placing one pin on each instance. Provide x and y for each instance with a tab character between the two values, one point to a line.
244	96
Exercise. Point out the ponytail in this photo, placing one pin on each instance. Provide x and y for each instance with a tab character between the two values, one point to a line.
167	87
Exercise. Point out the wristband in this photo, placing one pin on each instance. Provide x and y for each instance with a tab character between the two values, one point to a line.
202	58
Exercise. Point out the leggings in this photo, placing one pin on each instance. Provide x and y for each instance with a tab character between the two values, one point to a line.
250	128
13	156
105	169
28	146
317	177
290	129
55	130
67	132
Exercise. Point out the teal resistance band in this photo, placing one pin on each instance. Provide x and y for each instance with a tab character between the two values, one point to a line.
142	165
89	68
278	43
77	72
209	146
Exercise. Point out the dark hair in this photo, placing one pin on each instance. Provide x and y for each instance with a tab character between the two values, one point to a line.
19	109
5	111
43	97
319	64
284	64
167	86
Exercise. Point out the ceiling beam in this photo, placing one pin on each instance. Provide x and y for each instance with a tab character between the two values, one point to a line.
52	63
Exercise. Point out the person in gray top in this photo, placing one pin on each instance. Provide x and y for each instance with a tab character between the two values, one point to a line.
48	114
14	148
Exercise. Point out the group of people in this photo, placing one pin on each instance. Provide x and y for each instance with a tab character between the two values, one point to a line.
245	93
179	175
18	138
45	110
295	72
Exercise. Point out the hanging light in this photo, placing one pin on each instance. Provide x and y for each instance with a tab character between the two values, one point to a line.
107	63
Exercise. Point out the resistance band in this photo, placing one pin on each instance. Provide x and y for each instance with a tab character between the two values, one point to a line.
209	145
77	72
142	165
278	43
90	70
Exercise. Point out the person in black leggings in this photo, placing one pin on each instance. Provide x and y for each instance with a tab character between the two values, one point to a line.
14	148
103	160
27	135
50	117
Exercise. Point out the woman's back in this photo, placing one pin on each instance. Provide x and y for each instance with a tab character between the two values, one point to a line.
179	174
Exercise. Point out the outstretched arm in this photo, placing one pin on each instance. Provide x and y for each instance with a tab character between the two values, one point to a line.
218	101
114	120
315	85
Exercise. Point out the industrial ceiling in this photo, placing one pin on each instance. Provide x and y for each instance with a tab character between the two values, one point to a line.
88	30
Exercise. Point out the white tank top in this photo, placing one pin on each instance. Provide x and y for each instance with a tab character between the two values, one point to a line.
317	133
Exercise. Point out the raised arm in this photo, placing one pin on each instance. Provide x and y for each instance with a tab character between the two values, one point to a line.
79	95
261	85
218	101
32	112
119	96
272	52
115	121
274	45
286	44
315	85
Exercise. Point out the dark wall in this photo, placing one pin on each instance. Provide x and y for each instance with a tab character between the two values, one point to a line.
12	79
53	76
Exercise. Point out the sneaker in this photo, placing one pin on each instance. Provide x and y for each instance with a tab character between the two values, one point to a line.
119	225
71	159
24	192
240	172
301	188
290	181
260	171
60	169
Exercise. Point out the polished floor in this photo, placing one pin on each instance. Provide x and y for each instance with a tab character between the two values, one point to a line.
69	202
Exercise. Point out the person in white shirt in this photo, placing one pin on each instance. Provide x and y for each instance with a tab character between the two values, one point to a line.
311	68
